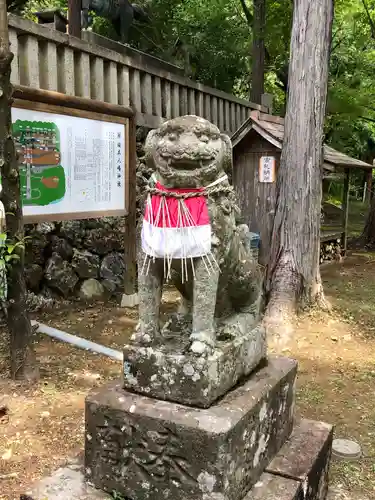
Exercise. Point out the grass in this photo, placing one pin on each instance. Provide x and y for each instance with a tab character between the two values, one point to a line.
336	354
357	217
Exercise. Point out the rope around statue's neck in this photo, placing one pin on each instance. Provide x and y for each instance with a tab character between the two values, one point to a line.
209	191
189	240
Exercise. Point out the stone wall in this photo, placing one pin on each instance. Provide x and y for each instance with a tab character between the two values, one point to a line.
81	258
75	258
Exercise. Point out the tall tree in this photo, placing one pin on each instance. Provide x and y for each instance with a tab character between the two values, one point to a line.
293	271
259	51
74	16
20	332
368	235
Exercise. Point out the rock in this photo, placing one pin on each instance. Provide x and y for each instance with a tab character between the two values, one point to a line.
103	240
35	246
103	222
45	227
140	149
33	276
92	289
61	247
73	230
117	223
110	286
113	269
85	264
141	134
107	223
39	302
49	294
60	276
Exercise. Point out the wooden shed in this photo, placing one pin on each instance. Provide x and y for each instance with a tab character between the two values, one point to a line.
256	157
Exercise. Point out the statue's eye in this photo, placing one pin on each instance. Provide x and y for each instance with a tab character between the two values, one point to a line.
172	137
203	138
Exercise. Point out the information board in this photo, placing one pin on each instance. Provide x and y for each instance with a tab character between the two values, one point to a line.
71	167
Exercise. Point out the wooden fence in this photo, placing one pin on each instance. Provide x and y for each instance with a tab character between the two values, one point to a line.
91	68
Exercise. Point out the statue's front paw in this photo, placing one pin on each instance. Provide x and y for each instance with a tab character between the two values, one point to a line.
203	342
145	334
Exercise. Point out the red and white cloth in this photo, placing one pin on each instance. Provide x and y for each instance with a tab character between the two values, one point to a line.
176	228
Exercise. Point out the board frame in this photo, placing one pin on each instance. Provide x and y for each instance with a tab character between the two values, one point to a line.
59	109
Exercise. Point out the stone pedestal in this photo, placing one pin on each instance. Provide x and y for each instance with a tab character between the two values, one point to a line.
149	449
169	371
297	472
300	470
305	457
270	487
182	430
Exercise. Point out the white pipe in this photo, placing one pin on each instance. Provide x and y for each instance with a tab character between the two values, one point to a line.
78	341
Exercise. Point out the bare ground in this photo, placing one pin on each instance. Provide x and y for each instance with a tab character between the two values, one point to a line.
43	426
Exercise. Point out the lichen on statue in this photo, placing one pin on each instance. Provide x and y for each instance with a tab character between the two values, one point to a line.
189	236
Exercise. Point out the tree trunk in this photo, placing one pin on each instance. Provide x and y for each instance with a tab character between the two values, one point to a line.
368	235
258	56
292	275
74	18
22	357
368	186
282	73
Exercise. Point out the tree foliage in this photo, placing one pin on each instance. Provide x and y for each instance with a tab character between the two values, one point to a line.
212	40
351	112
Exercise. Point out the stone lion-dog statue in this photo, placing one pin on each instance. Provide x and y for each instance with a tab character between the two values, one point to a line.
189	237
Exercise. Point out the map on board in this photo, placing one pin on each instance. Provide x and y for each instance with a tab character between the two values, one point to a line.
42	177
70	166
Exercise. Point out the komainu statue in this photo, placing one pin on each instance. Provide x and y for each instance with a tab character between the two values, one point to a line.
121	13
190	238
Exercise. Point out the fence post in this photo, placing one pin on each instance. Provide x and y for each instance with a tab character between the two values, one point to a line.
130	296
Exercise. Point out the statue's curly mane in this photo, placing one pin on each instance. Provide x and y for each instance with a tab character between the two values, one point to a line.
208	143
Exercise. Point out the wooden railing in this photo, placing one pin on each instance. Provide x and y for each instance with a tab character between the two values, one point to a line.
97	68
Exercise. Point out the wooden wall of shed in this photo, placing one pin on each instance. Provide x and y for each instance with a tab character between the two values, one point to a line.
256	200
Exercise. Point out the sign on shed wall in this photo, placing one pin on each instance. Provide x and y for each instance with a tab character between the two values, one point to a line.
267	169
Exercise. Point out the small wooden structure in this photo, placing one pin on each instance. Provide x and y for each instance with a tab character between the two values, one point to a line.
256	157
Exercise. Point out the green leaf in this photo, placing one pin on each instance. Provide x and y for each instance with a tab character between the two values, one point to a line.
13	256
20	244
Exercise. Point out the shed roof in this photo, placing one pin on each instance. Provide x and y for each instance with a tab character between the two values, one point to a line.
271	128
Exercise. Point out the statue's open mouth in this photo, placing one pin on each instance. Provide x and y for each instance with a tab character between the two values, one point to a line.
188	164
